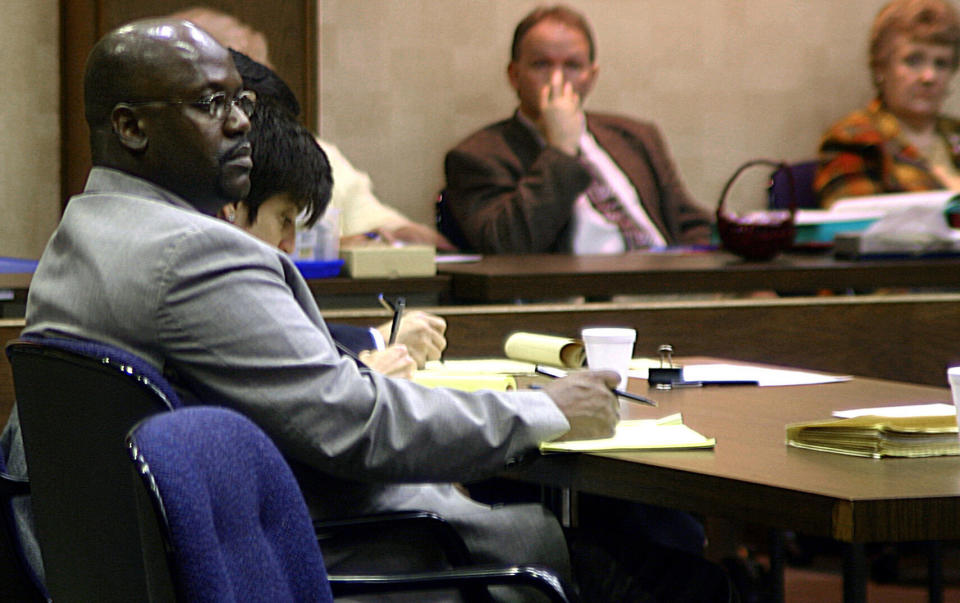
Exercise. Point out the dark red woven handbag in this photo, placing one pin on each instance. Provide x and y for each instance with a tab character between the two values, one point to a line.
762	235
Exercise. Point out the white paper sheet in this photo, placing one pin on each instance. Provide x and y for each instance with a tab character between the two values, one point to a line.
909	410
457	258
735	372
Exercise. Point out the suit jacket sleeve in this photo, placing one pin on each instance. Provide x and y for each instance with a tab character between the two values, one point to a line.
508	193
239	325
686	222
641	153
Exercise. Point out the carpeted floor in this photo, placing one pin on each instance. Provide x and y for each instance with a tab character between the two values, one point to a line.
807	585
903	570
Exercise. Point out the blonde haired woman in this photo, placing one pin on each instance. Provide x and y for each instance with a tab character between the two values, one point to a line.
900	142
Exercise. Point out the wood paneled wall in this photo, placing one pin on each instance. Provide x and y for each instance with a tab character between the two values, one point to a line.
290	26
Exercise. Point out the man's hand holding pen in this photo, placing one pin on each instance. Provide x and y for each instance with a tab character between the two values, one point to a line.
556	373
420	332
587	400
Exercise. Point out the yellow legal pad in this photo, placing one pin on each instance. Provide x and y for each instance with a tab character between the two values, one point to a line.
668	433
563	352
480	366
465	381
876	436
472	375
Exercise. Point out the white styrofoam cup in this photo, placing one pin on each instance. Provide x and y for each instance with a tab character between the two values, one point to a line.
610	348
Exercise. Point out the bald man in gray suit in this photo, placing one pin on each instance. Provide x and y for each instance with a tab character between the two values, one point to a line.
139	261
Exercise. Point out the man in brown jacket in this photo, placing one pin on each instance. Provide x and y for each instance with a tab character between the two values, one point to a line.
553	178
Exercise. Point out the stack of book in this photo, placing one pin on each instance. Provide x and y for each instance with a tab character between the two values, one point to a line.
877	436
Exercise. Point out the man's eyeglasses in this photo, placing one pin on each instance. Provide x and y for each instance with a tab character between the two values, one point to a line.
216	105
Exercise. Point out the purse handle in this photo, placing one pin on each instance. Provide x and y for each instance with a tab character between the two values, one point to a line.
782	165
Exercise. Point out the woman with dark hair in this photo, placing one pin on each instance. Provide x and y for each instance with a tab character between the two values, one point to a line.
290	177
900	142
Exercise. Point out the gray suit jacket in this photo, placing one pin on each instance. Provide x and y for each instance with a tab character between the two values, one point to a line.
509	193
134	266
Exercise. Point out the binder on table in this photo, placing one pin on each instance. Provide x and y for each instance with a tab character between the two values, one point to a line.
877	436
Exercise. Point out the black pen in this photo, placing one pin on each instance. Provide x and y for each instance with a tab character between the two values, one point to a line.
635	397
712	383
398	307
558	373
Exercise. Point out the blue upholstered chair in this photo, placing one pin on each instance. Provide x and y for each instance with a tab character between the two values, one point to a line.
76	402
236	526
236	523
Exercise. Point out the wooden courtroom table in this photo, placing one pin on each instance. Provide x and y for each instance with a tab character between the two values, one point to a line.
9	329
16	272
907	337
752	476
15	280
543	276
15	276
551	276
911	337
902	337
344	291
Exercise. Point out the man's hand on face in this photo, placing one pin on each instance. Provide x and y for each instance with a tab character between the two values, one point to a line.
586	398
561	117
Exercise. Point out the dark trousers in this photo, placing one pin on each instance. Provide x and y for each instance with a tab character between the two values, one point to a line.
625	551
611	566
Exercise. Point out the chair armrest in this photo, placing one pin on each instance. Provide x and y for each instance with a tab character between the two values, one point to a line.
11	485
538	577
423	522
